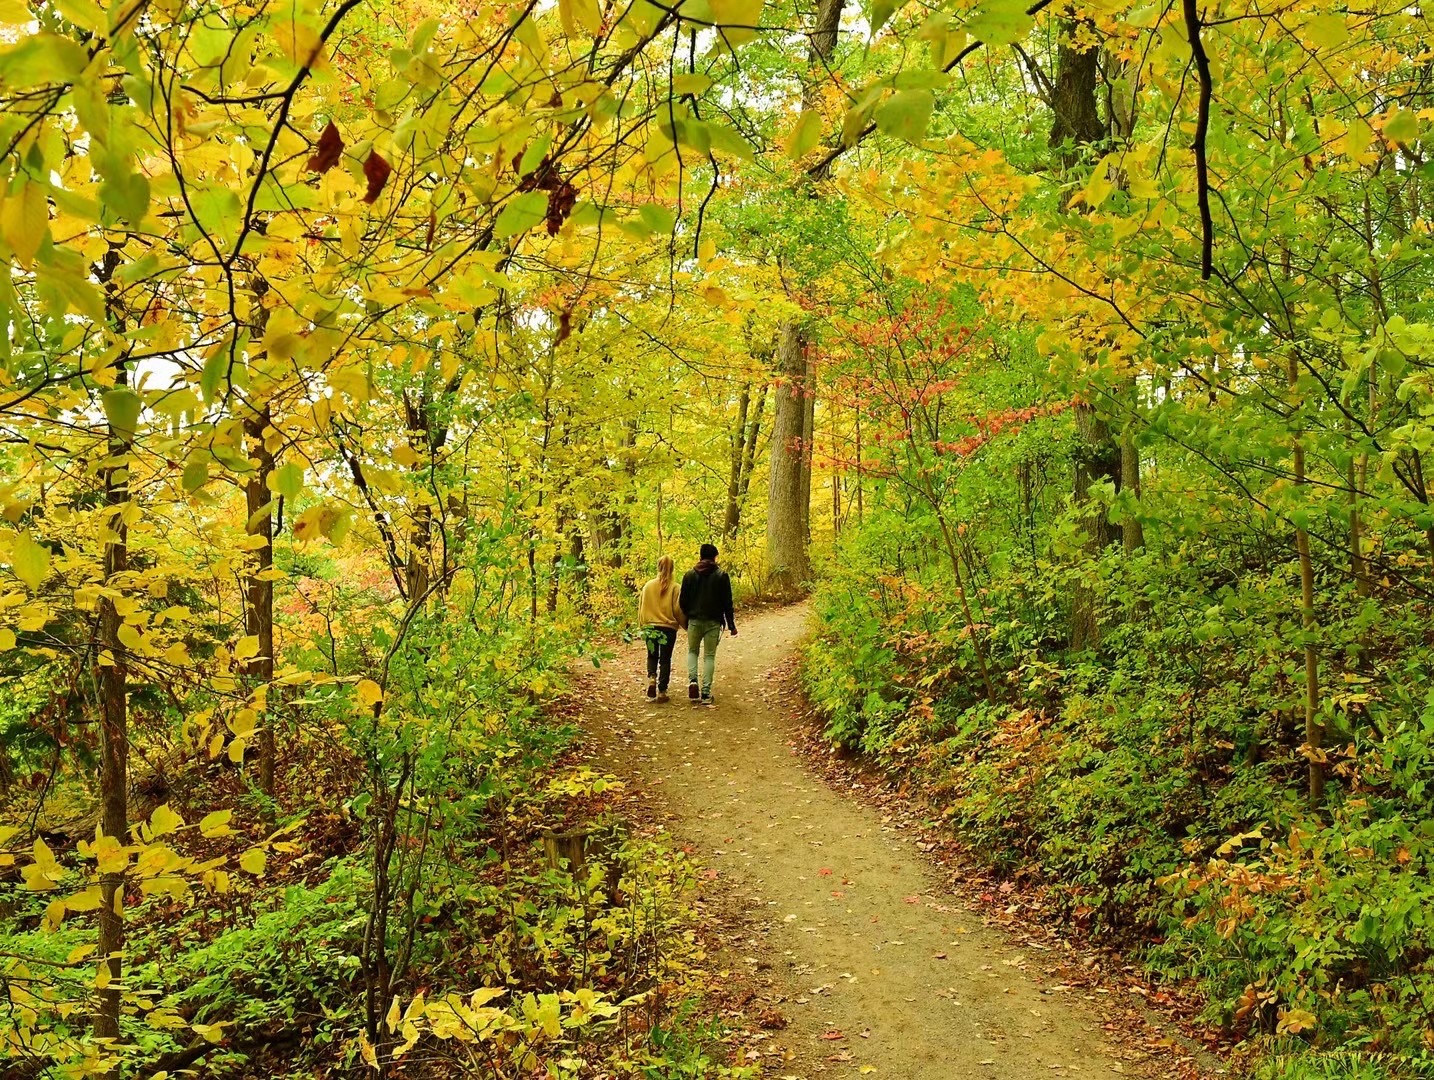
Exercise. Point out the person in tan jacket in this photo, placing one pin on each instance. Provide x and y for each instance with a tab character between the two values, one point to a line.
660	617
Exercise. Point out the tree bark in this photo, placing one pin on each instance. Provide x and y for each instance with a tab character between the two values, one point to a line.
809	430
789	485
1097	459
1314	730
113	679
1132	532
736	443
786	515
258	587
1076	127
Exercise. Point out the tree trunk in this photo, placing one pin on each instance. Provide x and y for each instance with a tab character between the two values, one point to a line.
786	515
113	678
1314	730
1132	532
809	430
1076	127
736	443
789	484
259	587
1097	459
749	455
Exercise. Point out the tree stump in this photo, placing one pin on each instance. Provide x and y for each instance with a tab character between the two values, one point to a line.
576	848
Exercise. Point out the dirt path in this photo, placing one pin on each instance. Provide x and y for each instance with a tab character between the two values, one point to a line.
876	970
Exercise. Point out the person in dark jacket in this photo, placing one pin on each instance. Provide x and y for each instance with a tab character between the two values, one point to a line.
706	601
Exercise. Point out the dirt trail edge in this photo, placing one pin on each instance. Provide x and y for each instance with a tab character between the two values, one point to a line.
876	965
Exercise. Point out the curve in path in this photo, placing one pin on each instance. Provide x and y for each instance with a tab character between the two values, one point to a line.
881	969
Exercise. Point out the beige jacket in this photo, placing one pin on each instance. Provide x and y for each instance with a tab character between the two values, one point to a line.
658	608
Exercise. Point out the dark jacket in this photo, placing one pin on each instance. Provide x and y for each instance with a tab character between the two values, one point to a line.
707	594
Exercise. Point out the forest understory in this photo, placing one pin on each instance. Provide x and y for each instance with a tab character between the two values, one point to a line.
373	371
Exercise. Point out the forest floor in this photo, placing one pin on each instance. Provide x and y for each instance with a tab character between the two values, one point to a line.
837	943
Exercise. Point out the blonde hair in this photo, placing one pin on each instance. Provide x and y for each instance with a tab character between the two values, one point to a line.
664	573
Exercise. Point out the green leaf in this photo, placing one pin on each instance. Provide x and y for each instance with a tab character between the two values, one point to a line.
287	480
805	135
216	368
1402	126
196	474
690	83
906	114
1001	22
657	218
521	213
533	156
1325	31
878	12
30	560
122	407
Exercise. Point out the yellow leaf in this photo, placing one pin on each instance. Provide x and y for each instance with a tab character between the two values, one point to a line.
54	914
7	640
215	824
88	900
252	861
370	1055
24	220
131	638
584	13
244	722
394	1015
301	44
216	745
369	692
247	648
164	820
212	1032
30	560
236	751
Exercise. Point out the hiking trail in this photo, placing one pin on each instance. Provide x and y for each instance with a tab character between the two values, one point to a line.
873	963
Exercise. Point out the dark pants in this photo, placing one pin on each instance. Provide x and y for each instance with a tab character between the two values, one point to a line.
660	641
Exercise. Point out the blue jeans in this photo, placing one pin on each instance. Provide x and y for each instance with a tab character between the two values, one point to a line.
702	634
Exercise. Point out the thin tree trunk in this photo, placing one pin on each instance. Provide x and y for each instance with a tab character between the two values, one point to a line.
1314	731
749	455
860	509
809	430
1132	532
736	442
259	586
114	704
786	518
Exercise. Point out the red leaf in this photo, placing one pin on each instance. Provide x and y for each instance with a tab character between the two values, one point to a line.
326	154
376	171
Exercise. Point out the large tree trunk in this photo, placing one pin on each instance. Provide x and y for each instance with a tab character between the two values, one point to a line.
1097	460
786	495
789	493
1076	126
